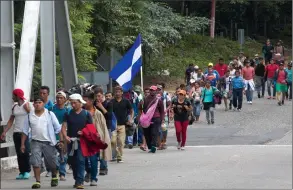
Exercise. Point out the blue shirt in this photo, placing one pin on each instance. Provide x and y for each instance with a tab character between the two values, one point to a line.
289	75
238	83
60	112
49	105
207	95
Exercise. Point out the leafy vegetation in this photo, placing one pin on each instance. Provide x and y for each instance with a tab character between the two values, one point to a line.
199	50
172	36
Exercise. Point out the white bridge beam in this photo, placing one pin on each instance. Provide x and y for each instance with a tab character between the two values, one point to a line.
48	55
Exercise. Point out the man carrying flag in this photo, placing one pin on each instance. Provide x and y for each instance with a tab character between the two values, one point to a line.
123	73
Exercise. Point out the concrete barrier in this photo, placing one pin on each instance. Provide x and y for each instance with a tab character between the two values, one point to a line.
9	163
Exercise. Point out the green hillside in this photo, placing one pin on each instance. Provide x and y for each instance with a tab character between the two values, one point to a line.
199	50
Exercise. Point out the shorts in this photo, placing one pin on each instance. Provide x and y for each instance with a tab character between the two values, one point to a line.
49	152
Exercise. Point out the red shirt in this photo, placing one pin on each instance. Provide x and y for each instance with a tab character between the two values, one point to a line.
222	69
281	77
248	73
271	69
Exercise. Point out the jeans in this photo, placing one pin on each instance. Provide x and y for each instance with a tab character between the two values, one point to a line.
289	92
269	86
23	159
196	109
249	93
208	112
181	130
129	140
62	166
104	164
139	135
152	132
91	166
237	98
260	85
77	162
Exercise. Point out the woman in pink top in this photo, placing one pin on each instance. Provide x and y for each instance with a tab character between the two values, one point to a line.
281	84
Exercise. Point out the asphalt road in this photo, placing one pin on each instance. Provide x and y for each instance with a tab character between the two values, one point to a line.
251	149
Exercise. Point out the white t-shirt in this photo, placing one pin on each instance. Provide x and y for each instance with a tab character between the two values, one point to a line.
39	127
228	81
20	115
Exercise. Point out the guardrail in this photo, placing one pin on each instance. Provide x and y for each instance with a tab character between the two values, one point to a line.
5	146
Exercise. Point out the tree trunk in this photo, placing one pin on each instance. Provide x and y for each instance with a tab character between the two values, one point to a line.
213	14
182	7
255	5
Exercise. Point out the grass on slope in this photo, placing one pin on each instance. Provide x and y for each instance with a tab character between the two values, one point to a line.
199	50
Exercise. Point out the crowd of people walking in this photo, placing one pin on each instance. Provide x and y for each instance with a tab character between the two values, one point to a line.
87	130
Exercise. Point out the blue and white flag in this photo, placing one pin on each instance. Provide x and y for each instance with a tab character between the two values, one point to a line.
128	66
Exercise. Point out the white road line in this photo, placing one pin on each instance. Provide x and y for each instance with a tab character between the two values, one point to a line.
231	146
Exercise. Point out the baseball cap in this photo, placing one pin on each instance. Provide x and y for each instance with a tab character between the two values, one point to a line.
19	93
60	93
210	64
192	81
196	67
77	97
153	88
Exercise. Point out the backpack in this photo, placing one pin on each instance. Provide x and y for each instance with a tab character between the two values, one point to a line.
145	118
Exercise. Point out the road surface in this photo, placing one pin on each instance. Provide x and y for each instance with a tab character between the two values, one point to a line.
244	150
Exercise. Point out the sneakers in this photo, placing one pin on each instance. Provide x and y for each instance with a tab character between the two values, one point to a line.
87	177
130	146
209	122
103	172
213	122
36	185
94	183
62	178
179	146
282	102
249	102
153	149
238	109
258	95
20	176
119	160
26	175
54	182
182	148
48	174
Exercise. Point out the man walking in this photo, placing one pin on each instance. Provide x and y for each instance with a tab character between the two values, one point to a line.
72	126
248	75
238	87
270	73
121	108
43	126
59	110
259	78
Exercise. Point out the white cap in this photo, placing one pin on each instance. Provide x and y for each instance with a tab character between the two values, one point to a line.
77	97
61	94
196	67
192	81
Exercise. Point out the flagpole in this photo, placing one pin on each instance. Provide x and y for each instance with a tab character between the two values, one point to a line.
141	78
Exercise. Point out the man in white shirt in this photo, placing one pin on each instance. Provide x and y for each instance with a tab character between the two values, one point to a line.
42	125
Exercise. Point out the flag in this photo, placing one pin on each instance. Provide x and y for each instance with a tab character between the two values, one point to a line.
128	66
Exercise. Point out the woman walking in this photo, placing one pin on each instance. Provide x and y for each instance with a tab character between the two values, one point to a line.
195	95
208	101
20	112
181	106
